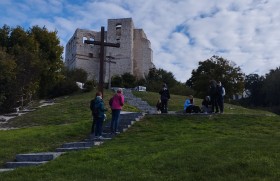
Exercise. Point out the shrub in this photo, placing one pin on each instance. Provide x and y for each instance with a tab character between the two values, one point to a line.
89	85
63	88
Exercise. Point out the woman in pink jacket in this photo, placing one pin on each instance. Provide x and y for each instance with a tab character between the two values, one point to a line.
116	104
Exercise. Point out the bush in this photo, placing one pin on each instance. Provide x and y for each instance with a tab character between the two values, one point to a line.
117	81
63	88
89	85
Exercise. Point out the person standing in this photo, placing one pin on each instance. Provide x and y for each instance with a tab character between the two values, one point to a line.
164	97
98	113
220	96
213	96
116	103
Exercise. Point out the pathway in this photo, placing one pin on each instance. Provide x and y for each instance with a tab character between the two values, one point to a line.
138	102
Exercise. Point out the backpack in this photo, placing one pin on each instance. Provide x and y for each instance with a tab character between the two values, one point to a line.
111	101
94	108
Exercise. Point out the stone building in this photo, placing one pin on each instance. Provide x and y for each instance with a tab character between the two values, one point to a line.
134	56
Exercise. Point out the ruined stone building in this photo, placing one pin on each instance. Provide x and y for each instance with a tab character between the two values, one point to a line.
134	56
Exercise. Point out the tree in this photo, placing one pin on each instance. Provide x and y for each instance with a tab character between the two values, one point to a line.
128	80
117	81
7	79
76	75
50	58
38	59
156	77
271	87
4	36
254	87
219	69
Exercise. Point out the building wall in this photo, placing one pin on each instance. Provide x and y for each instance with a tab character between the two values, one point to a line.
134	55
81	55
142	54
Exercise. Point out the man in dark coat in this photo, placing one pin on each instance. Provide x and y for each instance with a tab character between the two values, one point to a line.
213	95
164	97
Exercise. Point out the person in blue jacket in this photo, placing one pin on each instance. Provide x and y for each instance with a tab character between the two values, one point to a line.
189	106
98	113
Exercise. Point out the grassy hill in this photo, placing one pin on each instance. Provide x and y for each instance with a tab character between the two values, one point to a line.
241	144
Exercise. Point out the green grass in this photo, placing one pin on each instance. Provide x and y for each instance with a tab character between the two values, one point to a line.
162	147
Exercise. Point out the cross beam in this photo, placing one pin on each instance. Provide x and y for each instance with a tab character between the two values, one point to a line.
102	44
99	43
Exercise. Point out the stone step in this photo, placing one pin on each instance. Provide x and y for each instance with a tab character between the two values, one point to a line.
23	164
78	144
71	149
131	115
37	157
6	169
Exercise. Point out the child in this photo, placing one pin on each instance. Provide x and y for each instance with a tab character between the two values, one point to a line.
206	105
159	106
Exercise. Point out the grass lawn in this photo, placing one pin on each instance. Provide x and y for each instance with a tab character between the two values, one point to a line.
241	145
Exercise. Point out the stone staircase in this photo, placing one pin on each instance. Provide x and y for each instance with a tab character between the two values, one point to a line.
33	159
138	102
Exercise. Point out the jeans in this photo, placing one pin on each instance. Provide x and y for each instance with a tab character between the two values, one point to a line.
115	120
98	126
93	125
221	104
164	106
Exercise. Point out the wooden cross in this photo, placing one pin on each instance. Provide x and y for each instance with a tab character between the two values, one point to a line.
102	44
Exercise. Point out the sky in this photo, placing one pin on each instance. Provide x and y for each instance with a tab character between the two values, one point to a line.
182	32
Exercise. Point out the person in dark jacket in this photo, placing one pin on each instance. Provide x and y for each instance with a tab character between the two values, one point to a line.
164	97
98	113
206	105
213	96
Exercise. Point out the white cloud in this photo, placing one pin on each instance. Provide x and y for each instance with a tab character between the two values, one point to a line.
182	32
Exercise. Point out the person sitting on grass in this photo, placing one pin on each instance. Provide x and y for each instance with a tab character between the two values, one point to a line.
189	106
206	105
159	106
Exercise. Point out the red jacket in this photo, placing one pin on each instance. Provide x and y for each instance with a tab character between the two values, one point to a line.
118	101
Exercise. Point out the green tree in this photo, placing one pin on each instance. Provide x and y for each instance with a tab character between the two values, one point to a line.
76	75
254	87
156	77
38	58
50	54
128	80
4	36
25	50
7	79
117	81
271	87
219	69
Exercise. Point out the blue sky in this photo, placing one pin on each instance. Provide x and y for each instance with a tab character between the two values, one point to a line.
182	32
